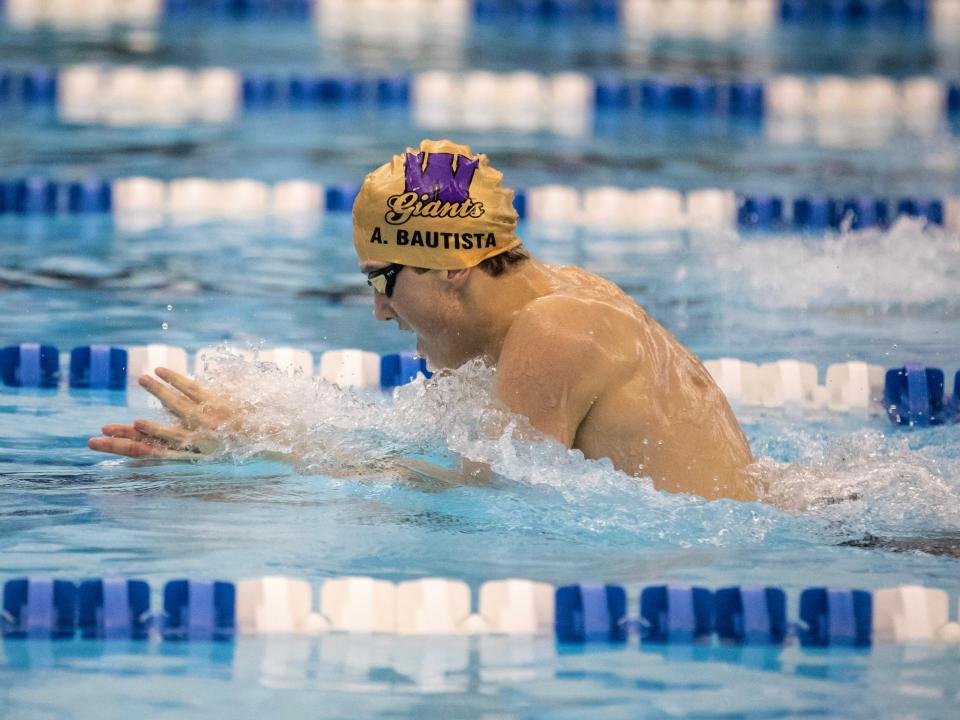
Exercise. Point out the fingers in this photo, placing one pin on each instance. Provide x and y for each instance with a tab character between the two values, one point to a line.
177	403
137	449
174	436
184	384
121	431
128	448
146	439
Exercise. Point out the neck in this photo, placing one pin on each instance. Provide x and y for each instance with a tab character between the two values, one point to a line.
492	304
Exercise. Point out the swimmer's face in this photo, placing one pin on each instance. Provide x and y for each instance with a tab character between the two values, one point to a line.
426	303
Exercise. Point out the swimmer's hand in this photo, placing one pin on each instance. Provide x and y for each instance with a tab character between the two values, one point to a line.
204	418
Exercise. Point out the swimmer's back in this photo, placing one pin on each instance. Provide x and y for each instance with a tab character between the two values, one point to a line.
635	394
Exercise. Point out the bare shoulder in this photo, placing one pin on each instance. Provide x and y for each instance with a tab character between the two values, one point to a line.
563	322
562	333
550	369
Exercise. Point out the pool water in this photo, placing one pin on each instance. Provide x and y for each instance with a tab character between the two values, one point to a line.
855	502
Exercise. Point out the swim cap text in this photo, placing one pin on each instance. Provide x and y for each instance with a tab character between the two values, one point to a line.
436	239
411	204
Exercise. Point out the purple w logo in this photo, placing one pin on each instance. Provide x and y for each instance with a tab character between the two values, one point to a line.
439	180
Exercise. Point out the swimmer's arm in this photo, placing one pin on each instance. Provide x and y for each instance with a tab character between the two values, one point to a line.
203	417
551	370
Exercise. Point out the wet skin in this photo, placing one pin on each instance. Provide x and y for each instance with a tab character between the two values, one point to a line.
574	354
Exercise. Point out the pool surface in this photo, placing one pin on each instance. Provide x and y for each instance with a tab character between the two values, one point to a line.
854	501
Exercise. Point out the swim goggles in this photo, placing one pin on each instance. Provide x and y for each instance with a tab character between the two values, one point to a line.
383	280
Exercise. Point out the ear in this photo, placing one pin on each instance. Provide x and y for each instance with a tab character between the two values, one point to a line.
458	279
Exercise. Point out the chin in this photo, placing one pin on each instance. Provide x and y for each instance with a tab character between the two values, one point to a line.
432	365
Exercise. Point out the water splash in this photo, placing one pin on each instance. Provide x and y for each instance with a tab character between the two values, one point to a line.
907	265
821	485
869	482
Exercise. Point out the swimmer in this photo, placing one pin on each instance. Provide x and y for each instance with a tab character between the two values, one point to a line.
435	234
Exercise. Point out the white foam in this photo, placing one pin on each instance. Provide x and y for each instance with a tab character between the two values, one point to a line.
905	265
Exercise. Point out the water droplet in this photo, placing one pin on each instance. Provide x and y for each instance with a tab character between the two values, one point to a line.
165	326
169	308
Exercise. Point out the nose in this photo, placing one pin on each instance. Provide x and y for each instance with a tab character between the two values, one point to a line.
382	309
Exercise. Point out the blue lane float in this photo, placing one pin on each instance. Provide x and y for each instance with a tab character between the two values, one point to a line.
548	11
260	92
929	208
39	608
854	12
953	100
38	86
263	92
696	96
240	9
30	365
303	91
393	91
676	614
589	613
114	608
339	198
751	616
747	98
199	610
862	212
342	90
91	195
520	204
913	395
260	9
760	212
98	367
814	212
400	369
6	83
35	196
611	92
835	617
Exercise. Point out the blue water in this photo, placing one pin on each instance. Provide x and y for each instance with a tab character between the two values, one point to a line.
853	502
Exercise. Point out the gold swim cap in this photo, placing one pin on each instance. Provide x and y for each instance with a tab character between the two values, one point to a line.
441	207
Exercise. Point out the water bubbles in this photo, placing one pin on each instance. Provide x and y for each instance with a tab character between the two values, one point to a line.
169	308
164	326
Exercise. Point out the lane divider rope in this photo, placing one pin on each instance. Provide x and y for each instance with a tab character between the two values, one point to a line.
683	17
140	203
838	110
199	609
105	367
913	395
